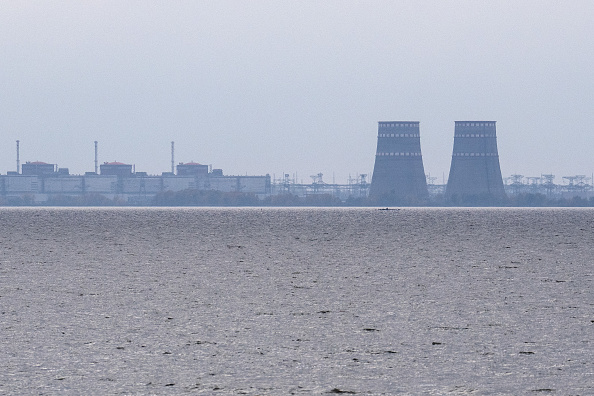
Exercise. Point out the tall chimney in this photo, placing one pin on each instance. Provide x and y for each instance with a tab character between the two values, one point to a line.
173	157
18	157
96	158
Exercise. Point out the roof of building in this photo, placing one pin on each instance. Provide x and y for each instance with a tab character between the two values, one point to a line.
191	163
115	163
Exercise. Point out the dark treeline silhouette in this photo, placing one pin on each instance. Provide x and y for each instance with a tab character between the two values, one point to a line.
219	198
205	198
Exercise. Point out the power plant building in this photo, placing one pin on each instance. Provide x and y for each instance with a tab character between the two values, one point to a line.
398	174
116	169
192	169
475	175
118	181
38	168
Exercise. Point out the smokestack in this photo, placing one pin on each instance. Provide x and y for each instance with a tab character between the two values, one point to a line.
475	175
173	157
18	157
96	158
398	174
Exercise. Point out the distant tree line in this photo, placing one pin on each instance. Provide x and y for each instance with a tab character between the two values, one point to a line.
219	198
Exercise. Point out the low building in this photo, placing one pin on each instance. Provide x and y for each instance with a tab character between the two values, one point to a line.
64	185
179	183
122	184
21	184
142	185
101	184
192	169
116	169
38	168
245	184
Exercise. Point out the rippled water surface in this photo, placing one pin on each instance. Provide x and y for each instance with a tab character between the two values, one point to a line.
296	301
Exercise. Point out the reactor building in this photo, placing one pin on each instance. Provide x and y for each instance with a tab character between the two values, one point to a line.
398	174
475	175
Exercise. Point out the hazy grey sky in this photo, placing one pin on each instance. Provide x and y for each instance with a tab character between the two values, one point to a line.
294	86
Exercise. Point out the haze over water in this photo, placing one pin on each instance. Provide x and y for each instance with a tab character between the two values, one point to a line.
295	87
296	301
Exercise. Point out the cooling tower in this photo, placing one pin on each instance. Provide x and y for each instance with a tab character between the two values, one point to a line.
398	175
475	176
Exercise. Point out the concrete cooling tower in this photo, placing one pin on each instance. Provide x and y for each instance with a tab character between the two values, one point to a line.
398	175
475	176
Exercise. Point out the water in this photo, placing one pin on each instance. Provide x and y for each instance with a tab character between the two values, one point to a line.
296	301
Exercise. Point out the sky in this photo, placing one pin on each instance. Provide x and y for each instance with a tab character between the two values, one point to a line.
296	87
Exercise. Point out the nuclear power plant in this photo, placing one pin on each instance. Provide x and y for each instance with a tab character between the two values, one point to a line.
474	173
398	179
398	174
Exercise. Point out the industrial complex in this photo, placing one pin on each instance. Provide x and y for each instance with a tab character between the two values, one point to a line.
117	180
40	181
475	175
398	177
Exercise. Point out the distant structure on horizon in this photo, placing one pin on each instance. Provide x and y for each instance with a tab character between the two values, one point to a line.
116	169
43	183
475	174
398	174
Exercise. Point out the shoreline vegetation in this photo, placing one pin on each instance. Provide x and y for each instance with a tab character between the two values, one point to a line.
200	198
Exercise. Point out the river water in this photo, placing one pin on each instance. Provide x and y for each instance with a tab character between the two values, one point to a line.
296	301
